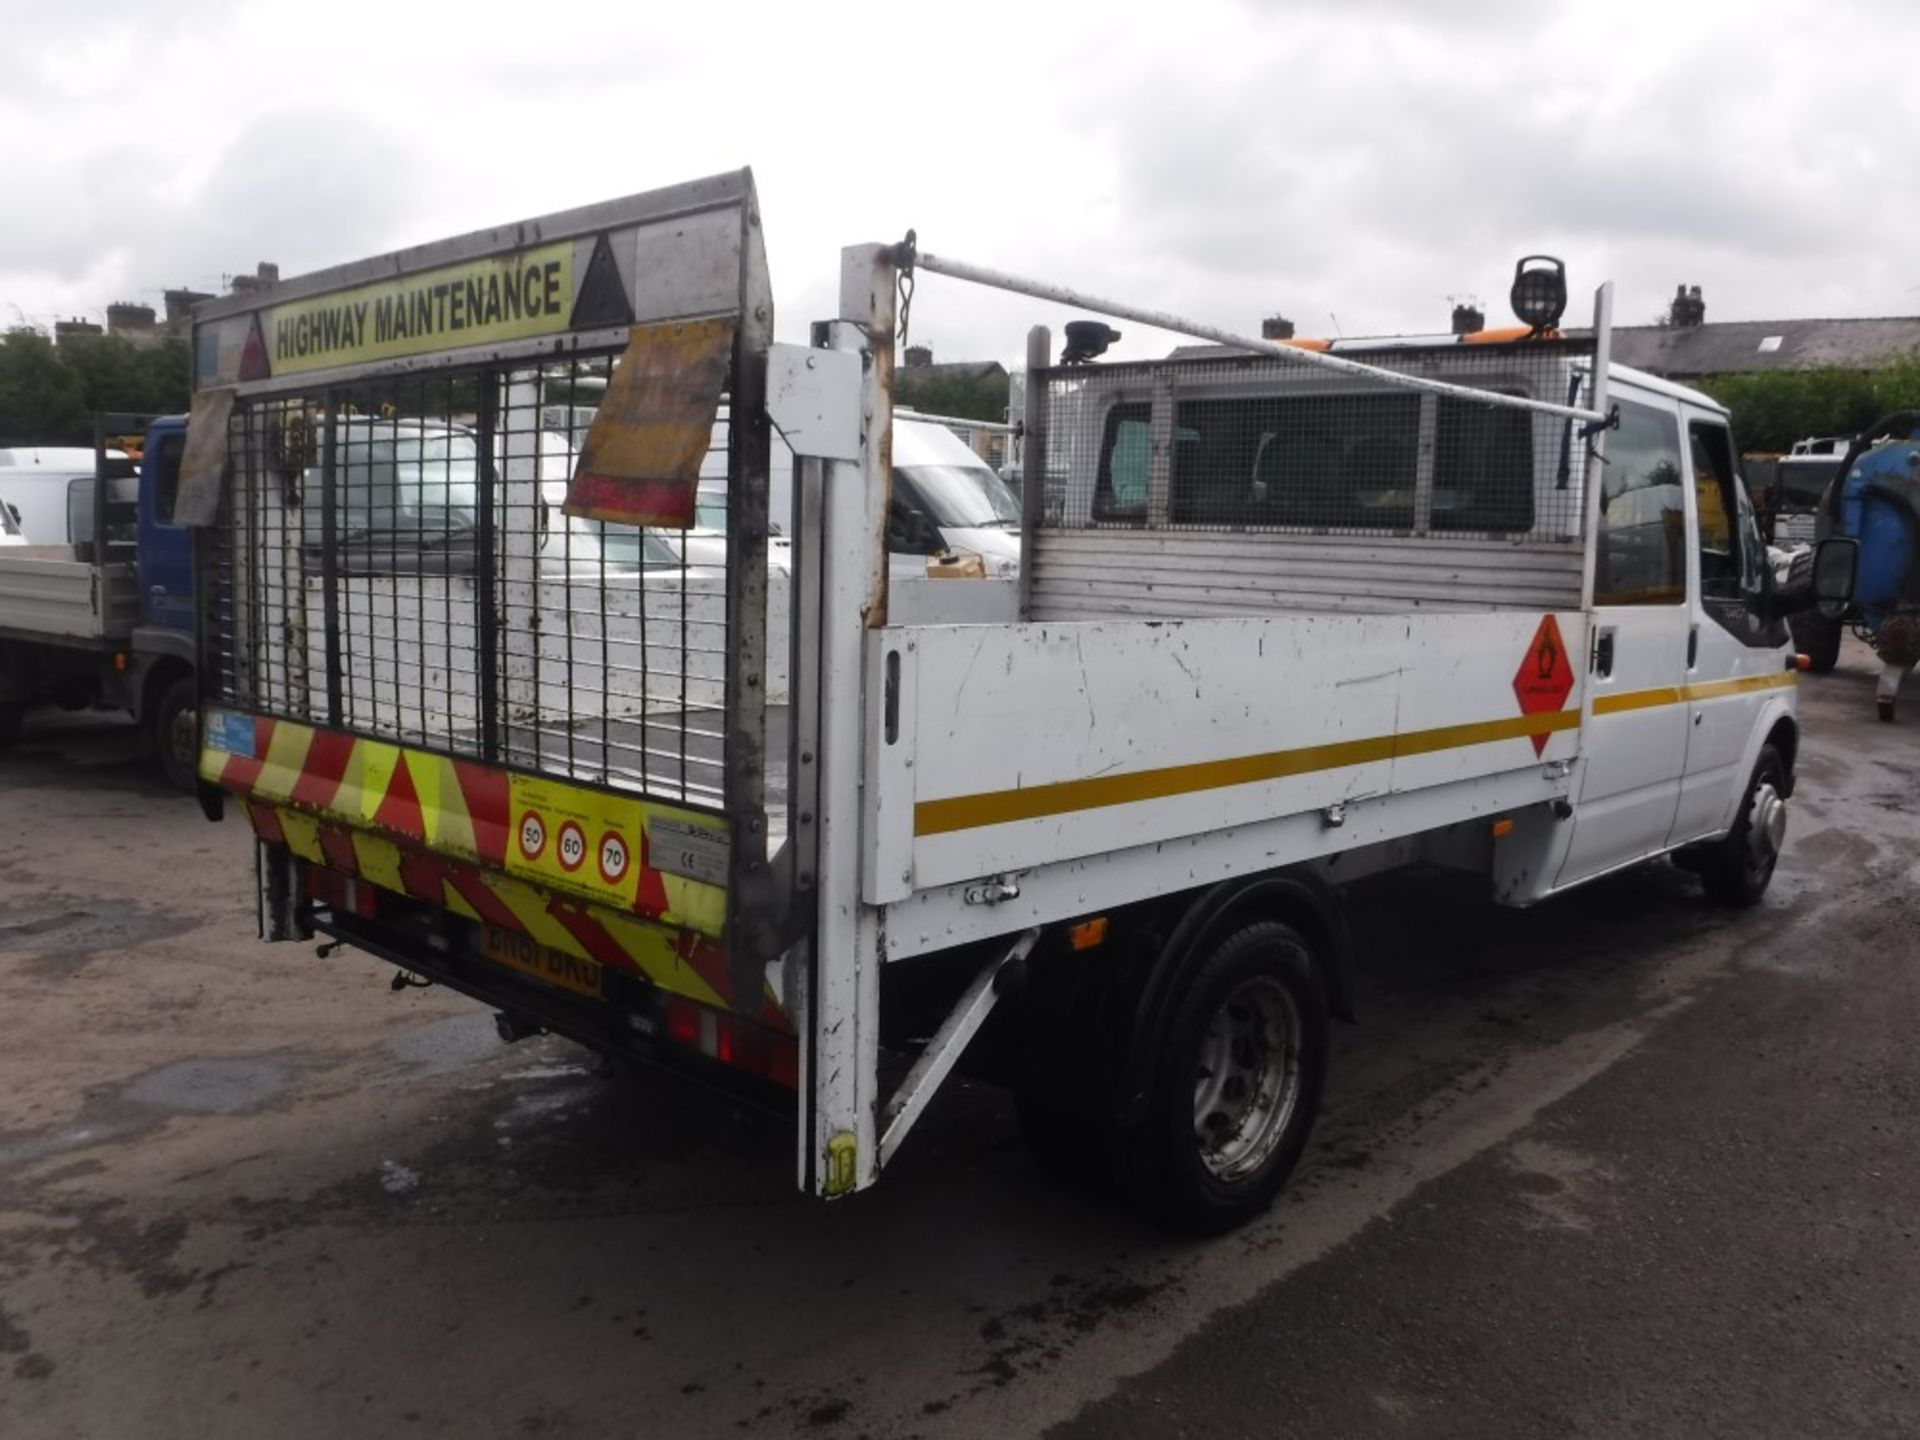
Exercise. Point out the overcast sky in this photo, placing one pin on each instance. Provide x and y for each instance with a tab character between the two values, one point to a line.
1369	160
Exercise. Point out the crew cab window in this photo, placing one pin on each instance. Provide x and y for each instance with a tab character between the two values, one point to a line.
1640	553
1482	468
1345	462
1733	559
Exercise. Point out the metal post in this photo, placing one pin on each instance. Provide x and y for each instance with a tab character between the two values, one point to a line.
1596	445
754	930
1033	461
843	1008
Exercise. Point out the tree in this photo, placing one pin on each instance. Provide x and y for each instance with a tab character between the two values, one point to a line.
1774	408
48	394
42	402
980	397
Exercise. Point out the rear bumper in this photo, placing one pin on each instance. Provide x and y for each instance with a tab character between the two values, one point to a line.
632	1022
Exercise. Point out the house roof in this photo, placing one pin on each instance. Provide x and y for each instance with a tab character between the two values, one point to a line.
1743	346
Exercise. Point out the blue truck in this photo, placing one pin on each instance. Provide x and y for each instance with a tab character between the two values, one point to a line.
1873	499
103	618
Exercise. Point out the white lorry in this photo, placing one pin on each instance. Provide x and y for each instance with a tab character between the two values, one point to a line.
1293	614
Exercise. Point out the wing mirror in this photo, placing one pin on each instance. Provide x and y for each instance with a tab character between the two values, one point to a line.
1836	562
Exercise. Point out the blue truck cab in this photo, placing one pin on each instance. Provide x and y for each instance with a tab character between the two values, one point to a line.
1874	500
104	621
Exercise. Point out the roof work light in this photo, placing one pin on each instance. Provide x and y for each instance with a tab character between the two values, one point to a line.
1539	294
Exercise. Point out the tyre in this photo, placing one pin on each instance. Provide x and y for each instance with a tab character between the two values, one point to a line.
1818	638
175	734
10	717
1737	868
1235	1084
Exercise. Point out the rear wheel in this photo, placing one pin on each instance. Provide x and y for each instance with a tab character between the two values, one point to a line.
175	734
1737	869
1236	1080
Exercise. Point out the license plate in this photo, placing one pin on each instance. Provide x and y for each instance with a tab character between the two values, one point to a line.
520	952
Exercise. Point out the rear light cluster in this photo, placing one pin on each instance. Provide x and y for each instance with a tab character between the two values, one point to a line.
343	892
755	1049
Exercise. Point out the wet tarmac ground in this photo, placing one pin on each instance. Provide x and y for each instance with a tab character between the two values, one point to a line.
1623	1164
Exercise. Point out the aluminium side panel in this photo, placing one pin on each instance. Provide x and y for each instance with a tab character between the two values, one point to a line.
1037	744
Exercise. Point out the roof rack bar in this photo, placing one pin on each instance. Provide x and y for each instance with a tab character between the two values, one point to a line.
1179	325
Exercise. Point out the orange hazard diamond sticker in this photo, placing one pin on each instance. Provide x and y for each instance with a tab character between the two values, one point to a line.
1545	677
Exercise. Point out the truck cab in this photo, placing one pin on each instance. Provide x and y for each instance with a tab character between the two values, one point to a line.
1689	649
99	612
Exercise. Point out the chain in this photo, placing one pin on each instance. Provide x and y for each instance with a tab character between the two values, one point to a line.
904	255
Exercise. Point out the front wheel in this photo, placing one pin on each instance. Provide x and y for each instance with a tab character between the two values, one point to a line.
1236	1082
1737	869
176	734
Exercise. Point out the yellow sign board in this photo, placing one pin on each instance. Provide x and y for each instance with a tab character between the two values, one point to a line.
503	297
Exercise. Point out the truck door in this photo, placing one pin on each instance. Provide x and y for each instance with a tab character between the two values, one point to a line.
1633	734
1735	653
166	553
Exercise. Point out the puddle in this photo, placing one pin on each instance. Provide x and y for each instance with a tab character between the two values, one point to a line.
211	1087
27	1149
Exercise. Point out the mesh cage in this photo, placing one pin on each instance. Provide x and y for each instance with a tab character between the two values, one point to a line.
1235	443
393	560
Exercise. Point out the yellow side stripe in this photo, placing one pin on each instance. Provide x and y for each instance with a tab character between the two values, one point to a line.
1001	807
1701	690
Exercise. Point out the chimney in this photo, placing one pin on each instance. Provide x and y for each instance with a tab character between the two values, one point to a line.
1468	320
919	356
1276	327
264	274
74	329
1688	309
180	305
130	321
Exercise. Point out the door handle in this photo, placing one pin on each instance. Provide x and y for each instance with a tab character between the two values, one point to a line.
1603	653
1693	645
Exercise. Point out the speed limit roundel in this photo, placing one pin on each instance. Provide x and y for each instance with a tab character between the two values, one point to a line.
613	857
533	835
570	846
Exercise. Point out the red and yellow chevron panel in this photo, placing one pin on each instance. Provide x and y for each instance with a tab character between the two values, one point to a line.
681	962
590	844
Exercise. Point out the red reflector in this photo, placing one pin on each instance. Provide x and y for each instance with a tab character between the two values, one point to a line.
742	1044
683	1023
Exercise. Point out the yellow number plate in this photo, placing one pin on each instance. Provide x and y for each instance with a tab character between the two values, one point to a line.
529	957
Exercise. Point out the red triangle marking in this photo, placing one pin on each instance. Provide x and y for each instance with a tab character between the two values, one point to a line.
650	894
400	810
254	364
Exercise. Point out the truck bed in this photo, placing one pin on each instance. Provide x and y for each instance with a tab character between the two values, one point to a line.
46	594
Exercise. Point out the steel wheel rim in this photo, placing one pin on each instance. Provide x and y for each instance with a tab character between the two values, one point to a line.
1247	1078
1766	828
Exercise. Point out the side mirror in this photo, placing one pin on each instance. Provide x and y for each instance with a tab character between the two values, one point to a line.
1836	561
910	532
